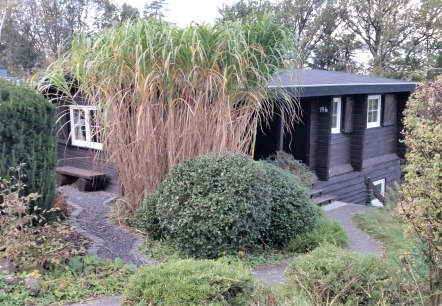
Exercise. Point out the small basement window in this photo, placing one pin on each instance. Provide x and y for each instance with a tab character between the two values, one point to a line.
374	111
380	185
84	128
336	116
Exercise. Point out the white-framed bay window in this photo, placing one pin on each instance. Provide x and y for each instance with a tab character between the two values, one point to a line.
374	111
336	115
84	129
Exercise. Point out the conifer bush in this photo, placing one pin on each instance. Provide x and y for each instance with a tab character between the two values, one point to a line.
27	135
190	282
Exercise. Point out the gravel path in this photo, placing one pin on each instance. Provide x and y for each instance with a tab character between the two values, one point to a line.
110	241
90	217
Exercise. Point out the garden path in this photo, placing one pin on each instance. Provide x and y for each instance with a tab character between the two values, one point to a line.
359	241
109	240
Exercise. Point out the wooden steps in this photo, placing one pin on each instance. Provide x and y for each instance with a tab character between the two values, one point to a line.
324	200
320	198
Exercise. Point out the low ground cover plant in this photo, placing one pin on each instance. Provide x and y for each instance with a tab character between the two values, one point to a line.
80	279
190	282
326	231
26	239
332	276
220	204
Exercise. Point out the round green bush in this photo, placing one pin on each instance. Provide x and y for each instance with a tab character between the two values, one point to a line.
214	205
190	282
210	206
292	212
331	275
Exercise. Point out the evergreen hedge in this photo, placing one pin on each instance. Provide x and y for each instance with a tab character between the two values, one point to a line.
27	135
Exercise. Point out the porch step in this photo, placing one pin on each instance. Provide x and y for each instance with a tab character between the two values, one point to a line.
325	199
314	193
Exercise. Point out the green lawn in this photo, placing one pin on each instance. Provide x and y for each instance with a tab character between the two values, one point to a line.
383	225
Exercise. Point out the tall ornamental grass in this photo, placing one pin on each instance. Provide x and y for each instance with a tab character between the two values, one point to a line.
167	94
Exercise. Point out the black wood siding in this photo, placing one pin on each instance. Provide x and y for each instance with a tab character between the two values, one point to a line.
312	133
340	149
348	185
379	141
322	164
358	135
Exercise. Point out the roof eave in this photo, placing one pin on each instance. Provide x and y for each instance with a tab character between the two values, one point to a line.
346	89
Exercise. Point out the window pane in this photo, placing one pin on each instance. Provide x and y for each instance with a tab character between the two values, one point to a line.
95	132
335	115
79	125
375	116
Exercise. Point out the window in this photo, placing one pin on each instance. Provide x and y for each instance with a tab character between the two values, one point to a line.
84	129
374	111
380	185
336	116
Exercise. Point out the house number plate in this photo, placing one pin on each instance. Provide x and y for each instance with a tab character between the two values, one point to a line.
323	109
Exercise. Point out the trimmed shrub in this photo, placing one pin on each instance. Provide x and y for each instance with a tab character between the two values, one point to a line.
287	162
210	206
220	204
27	135
292	211
326	231
332	276
190	282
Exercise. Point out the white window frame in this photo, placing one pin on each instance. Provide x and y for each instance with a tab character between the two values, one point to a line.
378	117
382	183
337	129
78	142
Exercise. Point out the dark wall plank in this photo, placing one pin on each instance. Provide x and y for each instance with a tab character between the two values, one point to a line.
322	164
358	135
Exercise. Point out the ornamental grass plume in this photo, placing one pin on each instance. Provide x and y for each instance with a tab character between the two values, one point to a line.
167	94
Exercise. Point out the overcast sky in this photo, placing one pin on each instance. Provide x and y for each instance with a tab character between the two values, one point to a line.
183	12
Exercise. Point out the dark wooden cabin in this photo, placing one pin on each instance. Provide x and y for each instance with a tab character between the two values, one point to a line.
79	143
351	130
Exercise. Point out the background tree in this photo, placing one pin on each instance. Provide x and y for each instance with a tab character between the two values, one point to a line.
36	31
154	9
400	35
128	12
315	25
400	38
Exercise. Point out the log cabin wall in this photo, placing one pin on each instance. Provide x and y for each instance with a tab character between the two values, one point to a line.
312	132
362	152
322	162
358	134
84	158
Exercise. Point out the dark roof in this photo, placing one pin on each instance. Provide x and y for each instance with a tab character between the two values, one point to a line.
313	83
